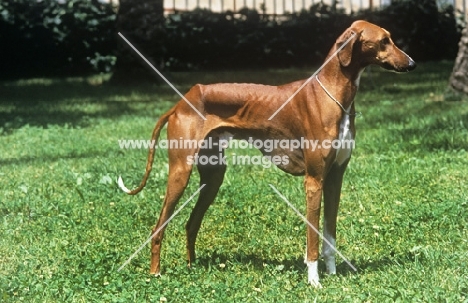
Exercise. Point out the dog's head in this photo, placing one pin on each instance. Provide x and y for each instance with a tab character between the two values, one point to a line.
368	44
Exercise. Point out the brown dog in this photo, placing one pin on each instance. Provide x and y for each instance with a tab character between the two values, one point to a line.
321	109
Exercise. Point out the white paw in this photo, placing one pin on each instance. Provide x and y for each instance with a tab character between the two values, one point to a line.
312	274
315	284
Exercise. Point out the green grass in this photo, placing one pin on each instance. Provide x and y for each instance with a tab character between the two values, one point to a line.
66	228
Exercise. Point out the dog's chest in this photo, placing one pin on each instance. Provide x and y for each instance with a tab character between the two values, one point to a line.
345	141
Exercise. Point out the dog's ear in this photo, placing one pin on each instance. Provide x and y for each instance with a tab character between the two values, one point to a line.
346	53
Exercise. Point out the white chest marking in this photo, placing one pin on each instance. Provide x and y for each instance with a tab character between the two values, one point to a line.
346	141
225	135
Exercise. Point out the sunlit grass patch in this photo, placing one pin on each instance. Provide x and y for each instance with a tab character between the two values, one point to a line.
66	227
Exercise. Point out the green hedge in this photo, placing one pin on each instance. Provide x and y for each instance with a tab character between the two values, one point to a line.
78	37
52	38
202	39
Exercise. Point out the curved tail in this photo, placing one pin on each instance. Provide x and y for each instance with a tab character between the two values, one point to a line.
149	163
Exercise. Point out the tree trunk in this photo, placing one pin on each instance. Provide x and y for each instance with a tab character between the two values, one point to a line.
459	78
141	22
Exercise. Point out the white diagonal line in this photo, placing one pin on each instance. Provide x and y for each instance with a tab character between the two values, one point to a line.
311	77
162	76
161	227
311	226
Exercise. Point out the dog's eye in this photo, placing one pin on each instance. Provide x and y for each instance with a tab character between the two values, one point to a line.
385	41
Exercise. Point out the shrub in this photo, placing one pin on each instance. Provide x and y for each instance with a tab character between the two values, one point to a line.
78	37
207	40
49	37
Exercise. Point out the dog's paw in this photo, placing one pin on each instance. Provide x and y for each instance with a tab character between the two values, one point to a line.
315	284
312	274
156	274
331	265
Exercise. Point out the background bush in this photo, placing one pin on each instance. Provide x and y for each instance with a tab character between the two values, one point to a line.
204	39
50	38
79	37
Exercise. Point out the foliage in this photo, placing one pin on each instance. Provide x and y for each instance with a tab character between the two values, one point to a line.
205	39
52	37
210	40
140	22
78	37
66	227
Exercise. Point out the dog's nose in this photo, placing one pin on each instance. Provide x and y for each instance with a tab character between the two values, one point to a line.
411	64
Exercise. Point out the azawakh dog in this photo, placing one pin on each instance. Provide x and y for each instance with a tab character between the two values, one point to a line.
321	108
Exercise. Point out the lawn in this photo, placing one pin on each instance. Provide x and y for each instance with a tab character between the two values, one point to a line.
66	228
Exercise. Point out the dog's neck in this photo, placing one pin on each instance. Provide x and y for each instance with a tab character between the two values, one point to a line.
340	83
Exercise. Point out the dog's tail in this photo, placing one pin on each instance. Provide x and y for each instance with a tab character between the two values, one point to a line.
149	163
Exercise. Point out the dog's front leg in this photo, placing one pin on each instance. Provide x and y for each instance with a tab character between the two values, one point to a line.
331	196
313	189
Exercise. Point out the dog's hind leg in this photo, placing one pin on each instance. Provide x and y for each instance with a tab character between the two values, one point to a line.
180	169
212	176
179	175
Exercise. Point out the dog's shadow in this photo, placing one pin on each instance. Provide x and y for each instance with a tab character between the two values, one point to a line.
252	260
342	267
